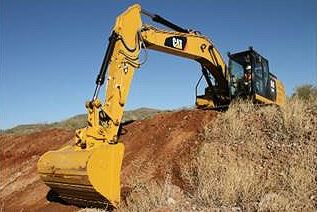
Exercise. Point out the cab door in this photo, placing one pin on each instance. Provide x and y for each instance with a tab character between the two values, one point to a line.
260	76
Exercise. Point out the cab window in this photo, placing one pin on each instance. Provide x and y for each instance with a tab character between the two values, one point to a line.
260	79
237	73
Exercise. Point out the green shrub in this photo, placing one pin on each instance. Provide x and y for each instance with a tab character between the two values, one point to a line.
306	92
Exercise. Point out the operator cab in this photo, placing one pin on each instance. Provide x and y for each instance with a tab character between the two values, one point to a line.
250	77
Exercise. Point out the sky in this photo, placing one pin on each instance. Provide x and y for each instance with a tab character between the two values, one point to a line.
51	51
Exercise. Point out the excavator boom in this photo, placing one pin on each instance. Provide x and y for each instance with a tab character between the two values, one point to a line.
88	171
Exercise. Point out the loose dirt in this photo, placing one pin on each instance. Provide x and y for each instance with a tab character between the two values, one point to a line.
21	188
154	148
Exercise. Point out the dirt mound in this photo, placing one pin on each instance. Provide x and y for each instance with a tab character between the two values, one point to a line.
154	148
159	146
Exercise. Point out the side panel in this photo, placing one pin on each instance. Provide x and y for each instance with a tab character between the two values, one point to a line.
280	93
272	88
280	96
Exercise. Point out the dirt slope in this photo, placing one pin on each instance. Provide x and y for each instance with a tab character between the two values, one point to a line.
156	146
20	185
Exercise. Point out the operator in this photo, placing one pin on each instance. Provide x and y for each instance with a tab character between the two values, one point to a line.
247	78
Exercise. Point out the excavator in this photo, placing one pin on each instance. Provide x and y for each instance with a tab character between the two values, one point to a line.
87	172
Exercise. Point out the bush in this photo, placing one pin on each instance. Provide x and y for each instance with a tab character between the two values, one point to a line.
306	92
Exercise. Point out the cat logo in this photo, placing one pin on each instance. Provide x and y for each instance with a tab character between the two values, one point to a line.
176	42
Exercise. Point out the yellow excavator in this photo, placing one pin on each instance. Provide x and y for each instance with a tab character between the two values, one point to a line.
88	172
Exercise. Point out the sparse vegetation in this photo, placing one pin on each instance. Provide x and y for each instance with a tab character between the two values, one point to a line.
252	159
261	158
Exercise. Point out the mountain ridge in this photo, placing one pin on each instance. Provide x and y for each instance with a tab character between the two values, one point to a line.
79	121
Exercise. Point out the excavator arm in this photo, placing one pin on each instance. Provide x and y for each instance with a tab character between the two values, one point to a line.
127	39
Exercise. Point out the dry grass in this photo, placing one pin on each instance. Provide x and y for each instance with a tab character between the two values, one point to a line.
149	196
252	159
260	158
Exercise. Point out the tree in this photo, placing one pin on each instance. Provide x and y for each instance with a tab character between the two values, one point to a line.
306	92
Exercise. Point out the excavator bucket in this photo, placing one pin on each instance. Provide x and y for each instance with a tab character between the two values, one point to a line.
84	177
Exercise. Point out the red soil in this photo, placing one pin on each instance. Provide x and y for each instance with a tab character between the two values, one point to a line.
153	148
21	188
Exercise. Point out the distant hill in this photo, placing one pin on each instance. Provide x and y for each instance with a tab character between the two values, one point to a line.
79	121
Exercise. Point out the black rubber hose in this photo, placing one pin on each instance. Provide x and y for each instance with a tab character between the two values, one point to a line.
169	24
103	70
